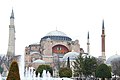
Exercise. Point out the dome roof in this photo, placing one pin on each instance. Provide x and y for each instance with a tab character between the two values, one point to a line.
39	61
56	33
71	55
116	56
34	52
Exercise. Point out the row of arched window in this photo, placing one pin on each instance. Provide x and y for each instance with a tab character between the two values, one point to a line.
57	38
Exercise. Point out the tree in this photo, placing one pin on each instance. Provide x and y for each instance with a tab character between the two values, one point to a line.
43	67
85	66
1	69
68	62
78	66
13	72
65	72
103	71
90	65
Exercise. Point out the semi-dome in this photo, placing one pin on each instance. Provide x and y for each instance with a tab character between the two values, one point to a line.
39	61
56	35
71	55
110	59
34	52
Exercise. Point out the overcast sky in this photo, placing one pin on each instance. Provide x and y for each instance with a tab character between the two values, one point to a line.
35	18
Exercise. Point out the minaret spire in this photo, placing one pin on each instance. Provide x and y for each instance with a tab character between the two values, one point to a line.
88	44
103	24
11	43
103	41
103	28
88	35
12	18
12	14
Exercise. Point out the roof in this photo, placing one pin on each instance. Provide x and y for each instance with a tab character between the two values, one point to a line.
111	58
71	55
34	52
39	61
56	33
12	15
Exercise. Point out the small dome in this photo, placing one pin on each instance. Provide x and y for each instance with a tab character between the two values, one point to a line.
110	59
71	55
56	33
39	61
34	52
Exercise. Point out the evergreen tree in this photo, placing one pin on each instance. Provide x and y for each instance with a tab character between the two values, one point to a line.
68	62
13	72
103	71
90	65
85	66
1	69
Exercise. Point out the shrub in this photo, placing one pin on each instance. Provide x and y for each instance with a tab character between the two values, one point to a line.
43	67
65	72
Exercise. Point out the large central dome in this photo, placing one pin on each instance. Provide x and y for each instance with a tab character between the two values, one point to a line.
56	35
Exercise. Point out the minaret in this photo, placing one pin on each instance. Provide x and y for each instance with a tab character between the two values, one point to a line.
11	43
88	44
103	42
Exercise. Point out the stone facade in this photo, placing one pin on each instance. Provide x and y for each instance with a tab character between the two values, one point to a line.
50	48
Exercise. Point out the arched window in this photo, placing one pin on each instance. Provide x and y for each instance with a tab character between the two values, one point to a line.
60	49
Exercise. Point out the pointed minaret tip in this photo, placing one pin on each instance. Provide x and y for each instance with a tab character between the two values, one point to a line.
103	24
88	35
12	14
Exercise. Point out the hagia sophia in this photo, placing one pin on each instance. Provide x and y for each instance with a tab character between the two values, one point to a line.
53	45
53	49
